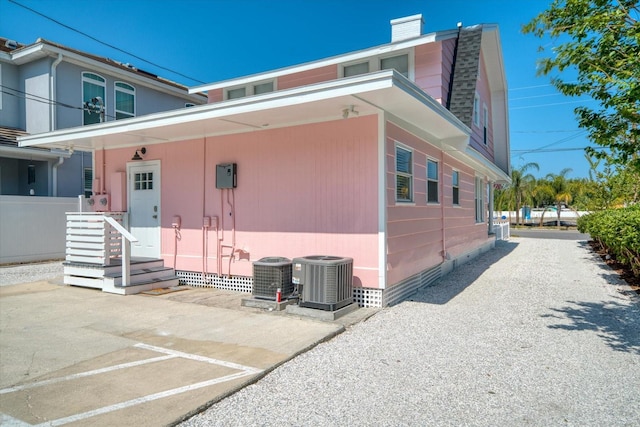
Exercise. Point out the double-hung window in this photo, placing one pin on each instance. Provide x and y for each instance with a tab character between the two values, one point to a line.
479	200
476	110
485	123
432	181
455	185
404	174
125	100
93	86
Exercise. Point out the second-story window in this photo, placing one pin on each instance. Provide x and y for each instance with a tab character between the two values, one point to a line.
432	181
252	89
485	123
356	69
455	185
263	88
125	101
402	63
399	63
93	87
476	110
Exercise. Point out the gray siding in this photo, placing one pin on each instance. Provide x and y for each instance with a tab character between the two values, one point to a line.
35	79
10	112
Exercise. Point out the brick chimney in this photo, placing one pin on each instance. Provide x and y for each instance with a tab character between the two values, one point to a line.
406	28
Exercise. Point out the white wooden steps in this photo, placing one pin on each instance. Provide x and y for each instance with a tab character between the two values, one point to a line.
146	274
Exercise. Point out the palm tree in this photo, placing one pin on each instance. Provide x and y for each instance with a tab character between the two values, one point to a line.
522	186
557	187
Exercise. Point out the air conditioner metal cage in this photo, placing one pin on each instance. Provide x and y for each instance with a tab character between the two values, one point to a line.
269	274
326	281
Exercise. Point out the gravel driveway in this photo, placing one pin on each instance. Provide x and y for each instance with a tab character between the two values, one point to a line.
534	333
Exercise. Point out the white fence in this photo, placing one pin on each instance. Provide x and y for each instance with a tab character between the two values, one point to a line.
33	228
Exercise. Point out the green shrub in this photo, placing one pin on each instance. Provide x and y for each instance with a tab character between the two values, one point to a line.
618	231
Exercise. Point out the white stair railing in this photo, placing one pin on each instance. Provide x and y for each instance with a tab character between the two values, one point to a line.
127	238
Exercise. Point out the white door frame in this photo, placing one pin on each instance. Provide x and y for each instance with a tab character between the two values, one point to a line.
158	184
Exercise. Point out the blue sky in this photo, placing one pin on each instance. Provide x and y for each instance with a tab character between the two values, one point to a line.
220	39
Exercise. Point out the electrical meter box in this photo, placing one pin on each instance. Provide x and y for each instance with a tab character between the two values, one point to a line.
227	175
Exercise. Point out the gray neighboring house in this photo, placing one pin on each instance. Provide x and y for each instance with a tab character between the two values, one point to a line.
46	86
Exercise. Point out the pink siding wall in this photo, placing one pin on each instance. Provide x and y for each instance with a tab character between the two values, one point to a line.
477	137
302	190
415	230
433	68
317	75
215	95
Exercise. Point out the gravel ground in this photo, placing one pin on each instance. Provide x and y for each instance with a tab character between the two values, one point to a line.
535	333
34	272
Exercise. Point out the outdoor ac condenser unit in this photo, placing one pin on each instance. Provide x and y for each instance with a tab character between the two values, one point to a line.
269	274
326	281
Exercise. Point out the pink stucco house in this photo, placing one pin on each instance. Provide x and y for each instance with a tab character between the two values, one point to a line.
387	155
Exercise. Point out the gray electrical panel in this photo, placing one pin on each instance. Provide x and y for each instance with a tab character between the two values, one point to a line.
227	175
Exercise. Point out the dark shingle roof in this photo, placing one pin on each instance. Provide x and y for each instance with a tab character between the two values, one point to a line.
465	77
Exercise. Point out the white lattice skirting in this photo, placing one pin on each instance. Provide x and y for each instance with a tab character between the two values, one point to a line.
364	297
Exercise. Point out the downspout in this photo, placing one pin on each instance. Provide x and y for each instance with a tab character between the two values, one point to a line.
55	176
445	255
52	94
453	66
52	120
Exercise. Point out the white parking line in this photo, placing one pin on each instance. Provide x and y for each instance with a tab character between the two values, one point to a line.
198	358
169	354
86	374
144	399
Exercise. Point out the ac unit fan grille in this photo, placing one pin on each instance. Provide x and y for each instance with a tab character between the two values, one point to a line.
270	275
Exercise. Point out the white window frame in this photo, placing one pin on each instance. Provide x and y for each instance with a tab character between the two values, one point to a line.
408	175
476	109
455	186
479	199
485	123
375	61
128	91
436	180
97	83
249	89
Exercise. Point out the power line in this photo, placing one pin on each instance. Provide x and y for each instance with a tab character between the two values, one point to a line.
36	98
542	131
104	43
542	149
549	105
516	88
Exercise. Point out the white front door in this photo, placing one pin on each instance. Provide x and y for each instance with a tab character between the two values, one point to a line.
144	207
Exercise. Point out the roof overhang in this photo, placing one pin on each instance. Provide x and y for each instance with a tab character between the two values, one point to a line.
368	94
31	153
